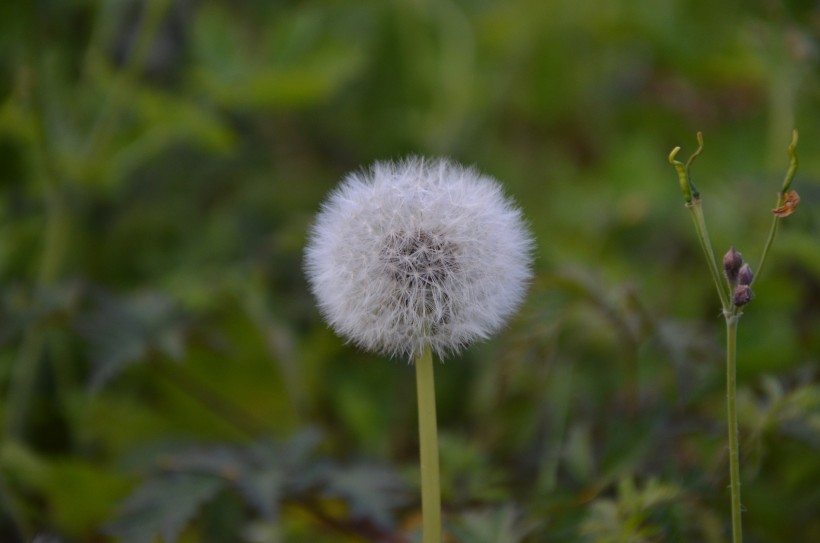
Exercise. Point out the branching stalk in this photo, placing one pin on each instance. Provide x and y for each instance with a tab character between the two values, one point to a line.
733	299
696	210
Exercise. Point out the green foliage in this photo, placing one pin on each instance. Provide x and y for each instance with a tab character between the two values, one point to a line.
625	520
161	357
163	507
124	332
265	475
502	525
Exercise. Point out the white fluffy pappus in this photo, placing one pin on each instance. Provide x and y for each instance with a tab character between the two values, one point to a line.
418	252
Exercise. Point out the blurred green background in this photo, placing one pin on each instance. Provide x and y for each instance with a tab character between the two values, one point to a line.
163	368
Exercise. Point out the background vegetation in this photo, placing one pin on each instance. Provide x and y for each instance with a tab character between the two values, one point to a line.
164	371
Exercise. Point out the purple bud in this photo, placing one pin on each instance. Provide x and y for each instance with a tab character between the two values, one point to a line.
742	295
745	275
732	261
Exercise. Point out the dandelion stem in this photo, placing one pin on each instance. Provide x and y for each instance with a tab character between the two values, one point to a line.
731	414
428	448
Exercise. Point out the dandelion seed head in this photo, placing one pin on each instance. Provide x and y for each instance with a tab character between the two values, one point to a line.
418	252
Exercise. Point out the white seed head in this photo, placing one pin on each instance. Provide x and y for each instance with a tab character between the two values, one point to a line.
418	252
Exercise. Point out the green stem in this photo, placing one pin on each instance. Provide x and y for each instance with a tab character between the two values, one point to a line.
772	233
428	448
696	210
731	412
781	198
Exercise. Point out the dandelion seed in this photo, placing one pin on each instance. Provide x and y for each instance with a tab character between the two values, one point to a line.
418	252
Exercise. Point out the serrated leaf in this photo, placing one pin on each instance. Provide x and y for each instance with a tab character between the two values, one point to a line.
276	469
371	492
263	473
162	507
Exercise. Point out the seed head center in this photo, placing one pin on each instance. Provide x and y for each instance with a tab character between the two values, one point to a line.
419	259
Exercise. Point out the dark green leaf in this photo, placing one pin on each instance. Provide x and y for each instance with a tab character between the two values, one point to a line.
372	492
162	507
122	332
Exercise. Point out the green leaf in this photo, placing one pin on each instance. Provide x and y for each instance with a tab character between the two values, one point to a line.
372	492
122	332
276	469
264	473
101	488
303	63
162	507
625	519
501	525
19	310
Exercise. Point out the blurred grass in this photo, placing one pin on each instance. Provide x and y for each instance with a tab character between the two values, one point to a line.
177	151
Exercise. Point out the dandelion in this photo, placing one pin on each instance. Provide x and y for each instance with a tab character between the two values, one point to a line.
416	257
420	252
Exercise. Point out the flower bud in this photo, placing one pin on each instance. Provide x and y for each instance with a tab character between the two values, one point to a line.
745	276
742	295
732	261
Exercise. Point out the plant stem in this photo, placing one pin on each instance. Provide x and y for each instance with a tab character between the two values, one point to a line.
696	211
785	206
772	233
781	198
731	413
428	448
